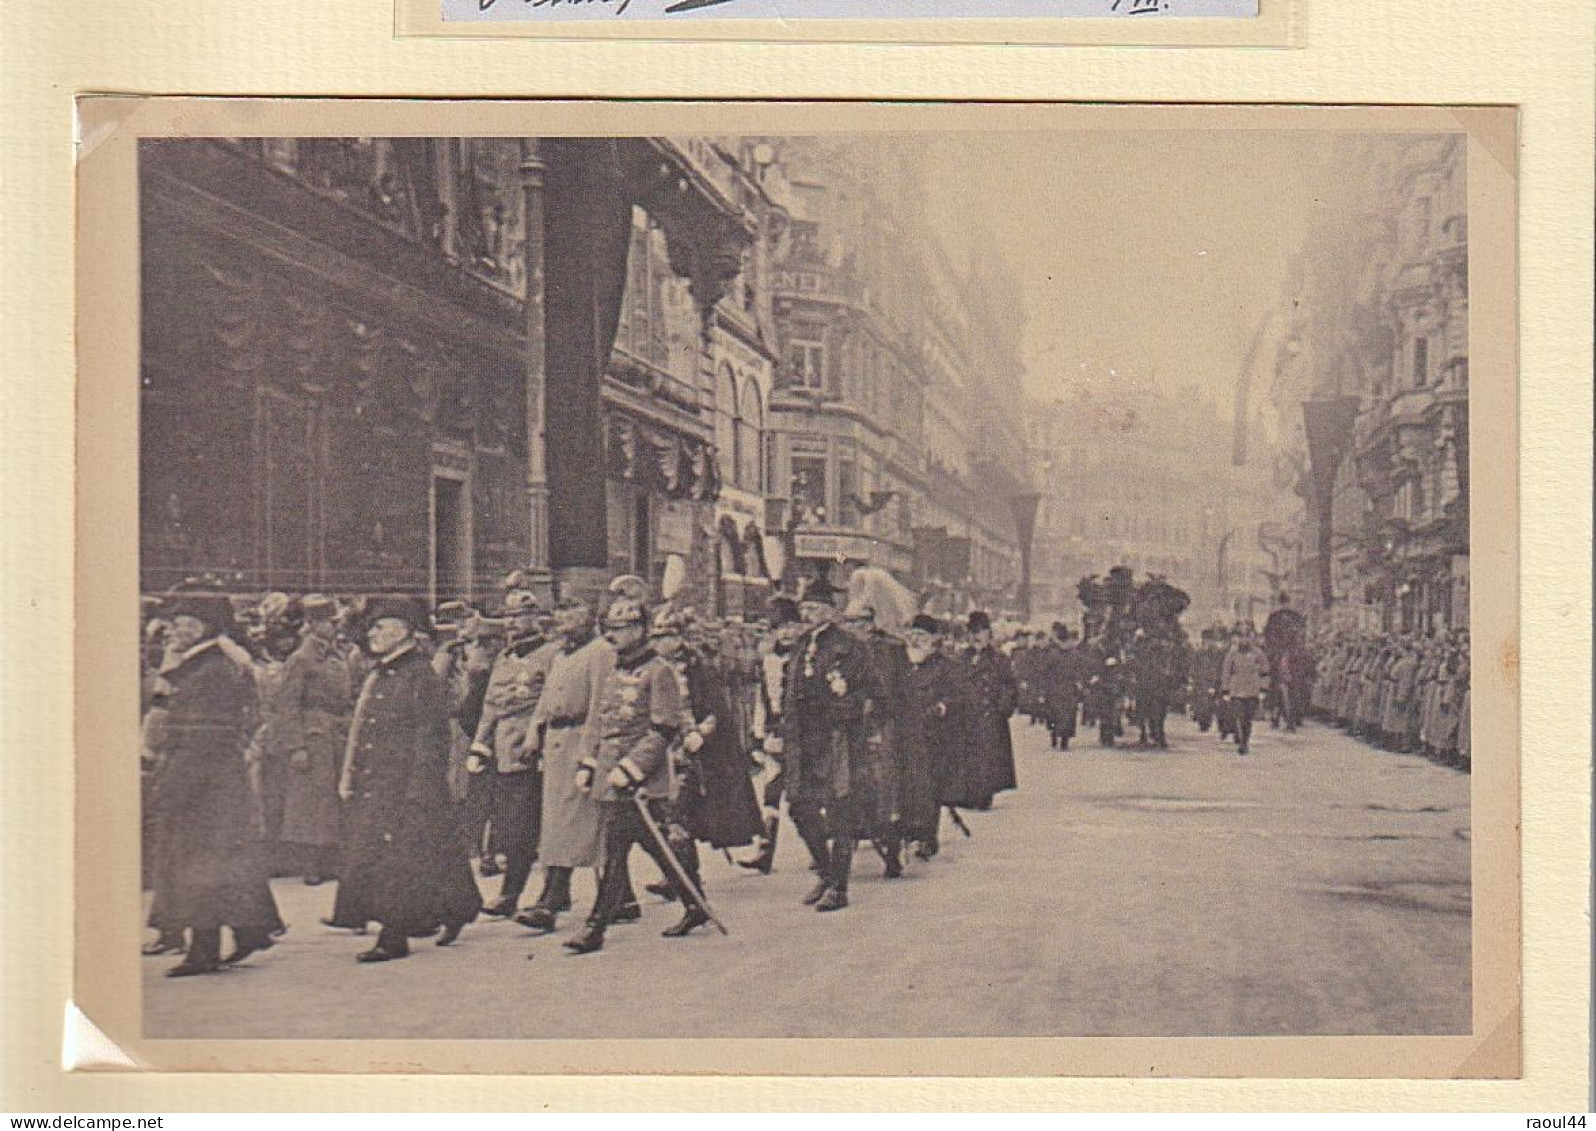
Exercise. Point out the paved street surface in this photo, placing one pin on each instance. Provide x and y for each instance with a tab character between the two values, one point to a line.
1316	886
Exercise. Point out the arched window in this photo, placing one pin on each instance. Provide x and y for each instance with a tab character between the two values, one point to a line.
726	424
750	443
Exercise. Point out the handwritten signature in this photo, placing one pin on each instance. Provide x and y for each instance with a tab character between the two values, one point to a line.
619	7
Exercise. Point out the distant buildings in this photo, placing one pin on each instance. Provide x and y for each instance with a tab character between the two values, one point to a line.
1137	475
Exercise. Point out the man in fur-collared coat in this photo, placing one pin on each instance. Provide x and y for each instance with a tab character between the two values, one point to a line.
395	777
208	872
833	774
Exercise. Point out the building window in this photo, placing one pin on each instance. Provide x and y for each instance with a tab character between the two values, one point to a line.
848	492
805	239
807	359
750	439
726	425
809	488
1421	362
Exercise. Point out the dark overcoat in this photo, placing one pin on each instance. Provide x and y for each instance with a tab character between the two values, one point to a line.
996	696
936	727
717	802
208	870
402	847
831	692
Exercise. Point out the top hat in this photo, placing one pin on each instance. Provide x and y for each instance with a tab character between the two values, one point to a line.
783	610
202	602
819	590
980	621
925	622
396	606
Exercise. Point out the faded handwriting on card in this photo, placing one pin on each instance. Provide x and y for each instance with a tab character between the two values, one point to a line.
786	10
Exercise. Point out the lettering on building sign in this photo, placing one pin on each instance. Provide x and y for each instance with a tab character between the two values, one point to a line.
788	10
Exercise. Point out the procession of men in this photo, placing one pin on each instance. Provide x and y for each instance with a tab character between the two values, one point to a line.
405	753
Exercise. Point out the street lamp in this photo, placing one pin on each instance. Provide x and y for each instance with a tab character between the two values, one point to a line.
1025	504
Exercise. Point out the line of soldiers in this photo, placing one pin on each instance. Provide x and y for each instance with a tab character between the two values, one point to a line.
533	739
1408	694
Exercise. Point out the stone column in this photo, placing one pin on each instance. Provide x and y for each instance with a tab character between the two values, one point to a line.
537	484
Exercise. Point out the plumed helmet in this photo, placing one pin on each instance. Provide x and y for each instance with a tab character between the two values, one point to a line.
631	586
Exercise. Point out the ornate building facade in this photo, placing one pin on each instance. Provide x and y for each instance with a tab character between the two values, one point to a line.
1373	361
896	405
419	363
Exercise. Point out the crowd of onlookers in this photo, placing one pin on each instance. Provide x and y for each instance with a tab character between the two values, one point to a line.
1405	693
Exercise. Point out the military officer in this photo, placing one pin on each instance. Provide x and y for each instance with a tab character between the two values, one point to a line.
638	718
507	744
314	697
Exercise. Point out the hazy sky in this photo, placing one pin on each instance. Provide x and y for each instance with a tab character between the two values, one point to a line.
1152	253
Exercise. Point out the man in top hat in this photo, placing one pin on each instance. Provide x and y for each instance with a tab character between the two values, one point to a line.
830	695
208	873
313	698
638	718
507	744
997	694
786	626
395	778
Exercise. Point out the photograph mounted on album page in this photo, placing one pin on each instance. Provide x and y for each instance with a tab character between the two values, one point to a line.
714	588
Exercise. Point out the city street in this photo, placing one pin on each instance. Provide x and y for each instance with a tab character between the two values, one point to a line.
1317	886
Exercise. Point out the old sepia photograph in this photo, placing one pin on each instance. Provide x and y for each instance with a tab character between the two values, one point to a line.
781	578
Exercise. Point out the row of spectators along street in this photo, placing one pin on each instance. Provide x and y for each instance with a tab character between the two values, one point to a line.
389	750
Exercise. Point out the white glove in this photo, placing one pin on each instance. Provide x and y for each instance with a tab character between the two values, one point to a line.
477	760
693	743
838	685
